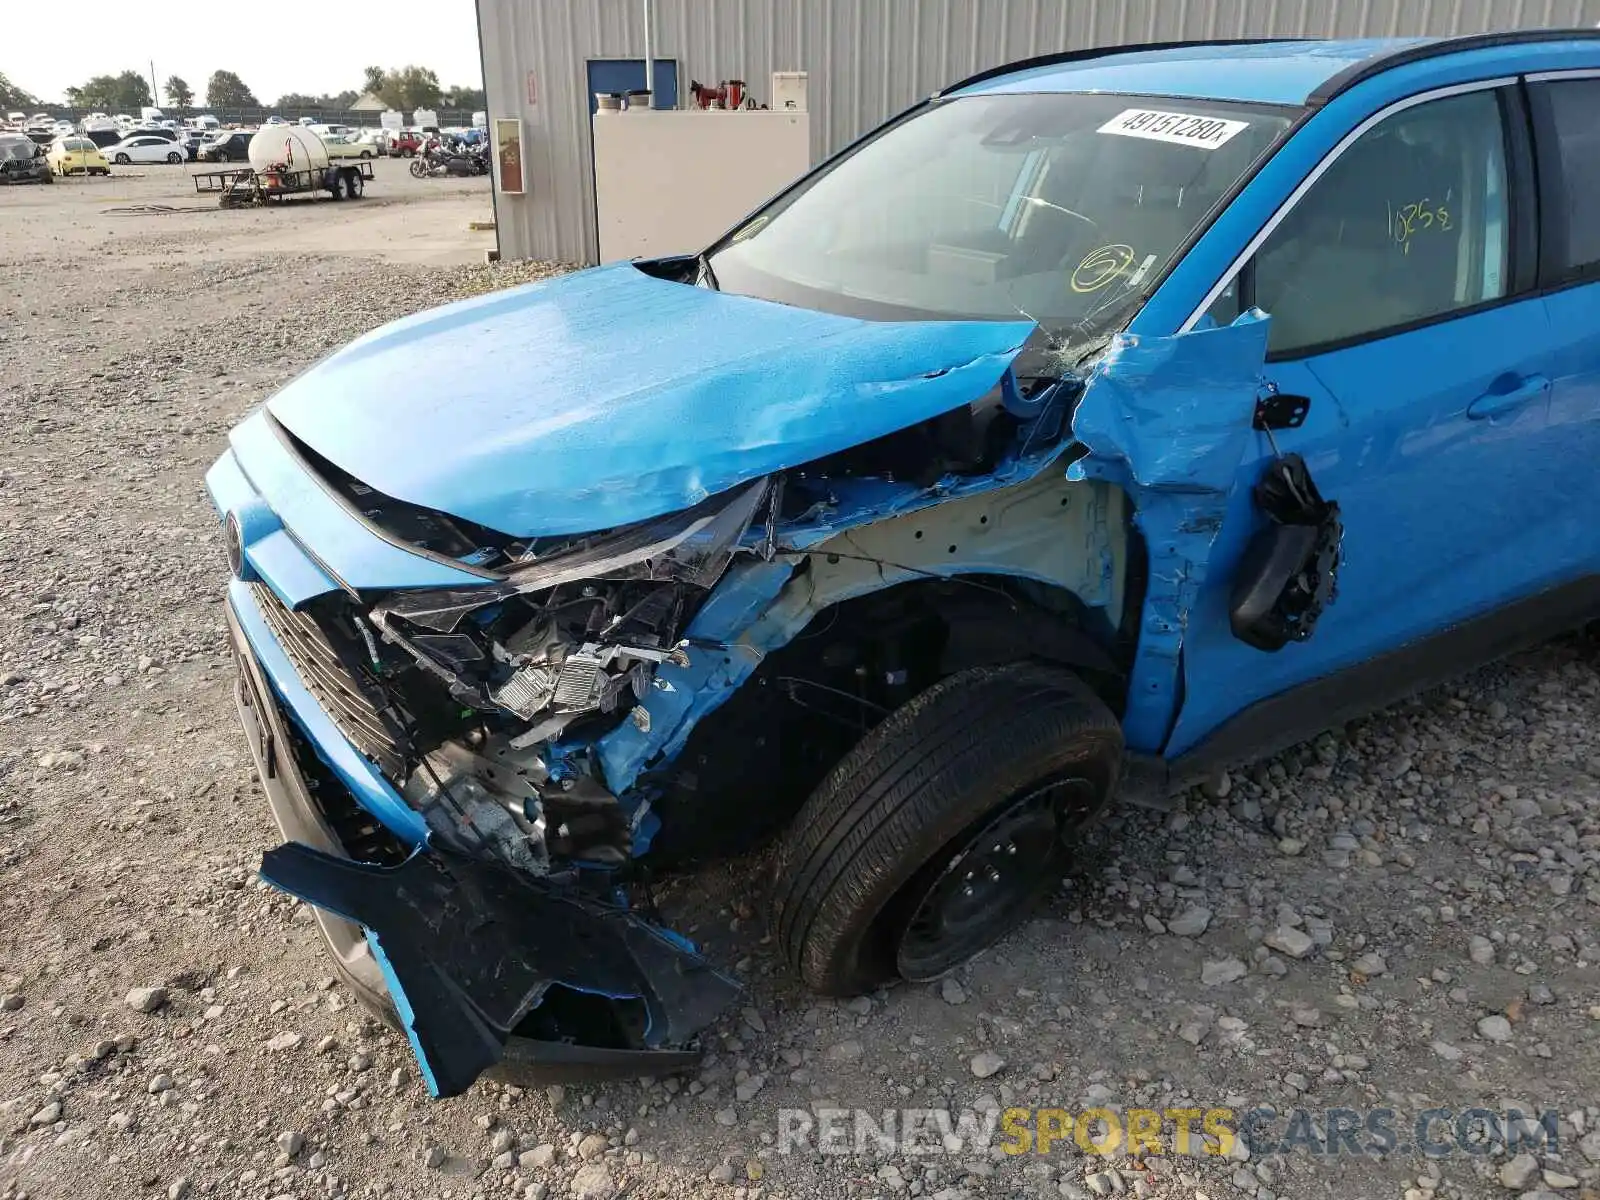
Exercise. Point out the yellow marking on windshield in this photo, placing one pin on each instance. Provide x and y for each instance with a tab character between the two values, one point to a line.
1100	267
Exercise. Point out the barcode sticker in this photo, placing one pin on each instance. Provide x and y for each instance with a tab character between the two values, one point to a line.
1183	129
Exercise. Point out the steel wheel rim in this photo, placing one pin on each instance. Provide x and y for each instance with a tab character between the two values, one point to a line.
990	877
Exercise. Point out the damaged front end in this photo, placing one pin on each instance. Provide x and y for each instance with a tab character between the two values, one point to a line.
514	713
506	923
525	707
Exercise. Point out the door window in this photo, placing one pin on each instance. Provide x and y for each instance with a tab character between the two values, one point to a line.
1572	175
1409	223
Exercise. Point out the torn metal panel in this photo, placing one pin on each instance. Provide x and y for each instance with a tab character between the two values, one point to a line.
1067	534
1169	419
645	397
469	948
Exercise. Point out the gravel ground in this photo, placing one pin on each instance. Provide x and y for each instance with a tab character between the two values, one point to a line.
1399	914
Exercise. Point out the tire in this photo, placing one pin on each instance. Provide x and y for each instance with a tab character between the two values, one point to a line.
174	158
1024	754
366	154
122	160
220	156
418	169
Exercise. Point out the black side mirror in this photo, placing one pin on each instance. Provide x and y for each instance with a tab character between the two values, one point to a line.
1289	572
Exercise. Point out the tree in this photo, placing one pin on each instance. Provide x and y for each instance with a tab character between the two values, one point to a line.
226	90
13	97
179	94
127	92
467	98
342	100
373	81
135	90
409	88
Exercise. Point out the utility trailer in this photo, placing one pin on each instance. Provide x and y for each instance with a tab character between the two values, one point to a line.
245	185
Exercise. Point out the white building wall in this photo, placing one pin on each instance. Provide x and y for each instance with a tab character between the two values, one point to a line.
867	59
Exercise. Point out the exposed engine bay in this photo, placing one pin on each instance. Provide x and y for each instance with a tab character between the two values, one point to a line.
478	687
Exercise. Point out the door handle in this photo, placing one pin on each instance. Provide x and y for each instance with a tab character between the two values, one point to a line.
1518	390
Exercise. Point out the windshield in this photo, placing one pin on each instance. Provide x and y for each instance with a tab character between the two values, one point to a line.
16	148
1065	207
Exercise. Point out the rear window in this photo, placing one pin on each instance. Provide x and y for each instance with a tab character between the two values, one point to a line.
1572	175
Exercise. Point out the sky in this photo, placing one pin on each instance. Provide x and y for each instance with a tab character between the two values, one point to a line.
310	46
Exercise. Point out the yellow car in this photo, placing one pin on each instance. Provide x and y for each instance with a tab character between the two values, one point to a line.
340	146
69	155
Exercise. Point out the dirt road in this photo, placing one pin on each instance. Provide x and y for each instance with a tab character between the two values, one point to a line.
1401	915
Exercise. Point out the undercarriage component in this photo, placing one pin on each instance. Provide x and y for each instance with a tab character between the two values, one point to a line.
471	950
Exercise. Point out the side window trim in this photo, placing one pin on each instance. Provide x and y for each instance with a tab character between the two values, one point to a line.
1526	204
1255	243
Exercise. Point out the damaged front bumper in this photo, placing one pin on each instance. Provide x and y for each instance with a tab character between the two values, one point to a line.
487	956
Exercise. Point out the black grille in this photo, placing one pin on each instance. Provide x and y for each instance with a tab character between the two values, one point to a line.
353	705
358	831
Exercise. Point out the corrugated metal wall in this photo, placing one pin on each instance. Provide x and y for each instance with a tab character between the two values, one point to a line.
867	59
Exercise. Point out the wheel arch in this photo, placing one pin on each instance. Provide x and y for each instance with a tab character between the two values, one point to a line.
870	618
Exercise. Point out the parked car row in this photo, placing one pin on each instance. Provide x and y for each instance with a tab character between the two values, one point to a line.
105	142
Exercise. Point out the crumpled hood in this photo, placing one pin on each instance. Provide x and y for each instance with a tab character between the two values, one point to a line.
609	396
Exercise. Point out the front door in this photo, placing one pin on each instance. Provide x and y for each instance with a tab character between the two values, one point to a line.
1395	288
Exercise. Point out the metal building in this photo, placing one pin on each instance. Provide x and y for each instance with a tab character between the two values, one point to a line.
866	60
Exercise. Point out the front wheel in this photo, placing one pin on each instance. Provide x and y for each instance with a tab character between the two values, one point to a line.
418	168
939	832
122	160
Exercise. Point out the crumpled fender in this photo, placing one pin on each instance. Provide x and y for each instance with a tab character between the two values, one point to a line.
469	948
1169	420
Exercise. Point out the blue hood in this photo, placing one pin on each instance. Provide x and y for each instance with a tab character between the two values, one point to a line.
609	396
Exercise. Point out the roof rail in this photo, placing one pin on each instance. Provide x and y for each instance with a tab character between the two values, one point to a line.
1357	72
1090	52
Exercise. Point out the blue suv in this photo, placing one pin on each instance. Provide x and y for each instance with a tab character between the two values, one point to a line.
1101	421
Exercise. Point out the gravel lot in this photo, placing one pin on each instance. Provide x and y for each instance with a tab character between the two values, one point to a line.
1400	914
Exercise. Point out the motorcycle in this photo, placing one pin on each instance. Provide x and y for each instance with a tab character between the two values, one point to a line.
441	160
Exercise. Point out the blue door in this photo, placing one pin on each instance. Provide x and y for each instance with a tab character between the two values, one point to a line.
1402	304
1568	139
627	75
